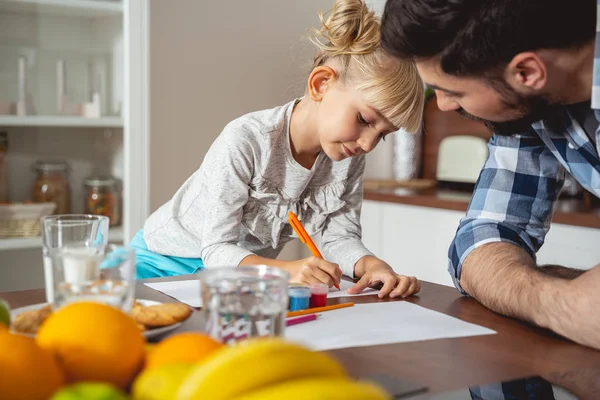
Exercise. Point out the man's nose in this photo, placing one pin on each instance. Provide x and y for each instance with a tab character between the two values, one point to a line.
445	103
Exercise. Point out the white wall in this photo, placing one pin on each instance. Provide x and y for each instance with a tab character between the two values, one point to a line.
212	62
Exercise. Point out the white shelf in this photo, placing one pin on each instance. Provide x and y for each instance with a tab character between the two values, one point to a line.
114	235
60	121
68	8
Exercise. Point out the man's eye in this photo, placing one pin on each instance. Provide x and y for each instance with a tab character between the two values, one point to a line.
382	136
362	120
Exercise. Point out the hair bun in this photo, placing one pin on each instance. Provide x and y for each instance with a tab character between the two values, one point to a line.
350	28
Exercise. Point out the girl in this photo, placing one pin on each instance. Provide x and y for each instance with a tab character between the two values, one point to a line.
307	156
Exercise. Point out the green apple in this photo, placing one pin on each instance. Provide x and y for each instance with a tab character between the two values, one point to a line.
4	313
89	391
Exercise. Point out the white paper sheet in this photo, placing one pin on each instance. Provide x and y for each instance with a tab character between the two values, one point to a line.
379	323
343	292
187	292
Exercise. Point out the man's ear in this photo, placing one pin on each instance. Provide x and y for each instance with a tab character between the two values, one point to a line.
527	71
319	80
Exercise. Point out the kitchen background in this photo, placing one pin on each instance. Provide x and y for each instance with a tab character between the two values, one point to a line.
116	103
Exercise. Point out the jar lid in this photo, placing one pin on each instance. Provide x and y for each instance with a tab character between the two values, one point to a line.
298	291
51	166
100	181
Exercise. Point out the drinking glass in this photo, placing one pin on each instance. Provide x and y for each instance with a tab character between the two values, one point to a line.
80	230
104	275
244	302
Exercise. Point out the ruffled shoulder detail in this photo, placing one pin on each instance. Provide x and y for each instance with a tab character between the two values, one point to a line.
265	213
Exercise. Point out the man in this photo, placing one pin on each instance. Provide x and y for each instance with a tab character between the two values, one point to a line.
528	69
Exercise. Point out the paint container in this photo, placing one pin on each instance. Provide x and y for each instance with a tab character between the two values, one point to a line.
299	297
318	295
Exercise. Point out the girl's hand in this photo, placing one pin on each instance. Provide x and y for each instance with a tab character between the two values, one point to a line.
314	270
372	270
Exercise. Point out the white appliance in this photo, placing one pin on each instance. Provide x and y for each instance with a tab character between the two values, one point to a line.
460	158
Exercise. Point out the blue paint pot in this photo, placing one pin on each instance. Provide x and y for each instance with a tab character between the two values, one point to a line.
299	297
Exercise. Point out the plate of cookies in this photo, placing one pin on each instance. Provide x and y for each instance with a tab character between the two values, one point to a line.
153	317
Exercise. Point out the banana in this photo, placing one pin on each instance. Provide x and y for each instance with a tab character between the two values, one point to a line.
319	389
254	364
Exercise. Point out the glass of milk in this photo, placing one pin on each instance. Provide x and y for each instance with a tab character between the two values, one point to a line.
83	273
73	230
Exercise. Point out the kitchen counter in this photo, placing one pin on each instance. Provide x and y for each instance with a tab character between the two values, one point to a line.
568	211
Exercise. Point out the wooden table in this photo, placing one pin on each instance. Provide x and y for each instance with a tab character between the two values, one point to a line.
517	350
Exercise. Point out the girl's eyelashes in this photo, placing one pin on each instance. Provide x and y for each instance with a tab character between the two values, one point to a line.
362	120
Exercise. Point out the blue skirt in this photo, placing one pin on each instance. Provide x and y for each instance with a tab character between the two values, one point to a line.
154	265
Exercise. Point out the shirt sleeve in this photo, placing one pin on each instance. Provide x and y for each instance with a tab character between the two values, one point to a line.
204	216
342	233
513	200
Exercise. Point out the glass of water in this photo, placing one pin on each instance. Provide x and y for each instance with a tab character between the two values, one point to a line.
78	230
83	273
244	302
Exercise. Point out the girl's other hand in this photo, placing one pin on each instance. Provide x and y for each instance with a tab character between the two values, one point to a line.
374	271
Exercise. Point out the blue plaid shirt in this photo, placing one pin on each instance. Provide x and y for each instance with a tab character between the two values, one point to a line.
515	194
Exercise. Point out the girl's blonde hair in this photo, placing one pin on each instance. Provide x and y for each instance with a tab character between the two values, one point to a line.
349	39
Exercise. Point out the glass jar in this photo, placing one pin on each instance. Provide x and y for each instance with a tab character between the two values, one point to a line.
52	185
102	197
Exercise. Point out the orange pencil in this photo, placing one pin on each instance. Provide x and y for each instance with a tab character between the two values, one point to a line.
301	232
318	309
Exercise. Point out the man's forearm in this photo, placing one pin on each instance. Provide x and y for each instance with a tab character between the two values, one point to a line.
504	278
560	271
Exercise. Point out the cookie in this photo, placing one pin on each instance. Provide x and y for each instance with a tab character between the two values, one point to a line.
136	305
161	315
30	321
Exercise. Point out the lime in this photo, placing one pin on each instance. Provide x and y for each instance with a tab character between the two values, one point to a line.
4	313
89	391
162	382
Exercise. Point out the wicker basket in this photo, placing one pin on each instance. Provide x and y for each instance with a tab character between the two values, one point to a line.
23	220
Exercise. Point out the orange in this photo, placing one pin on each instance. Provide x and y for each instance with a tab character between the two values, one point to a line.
28	371
182	348
94	342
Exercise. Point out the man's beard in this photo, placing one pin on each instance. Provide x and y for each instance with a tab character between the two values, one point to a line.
532	109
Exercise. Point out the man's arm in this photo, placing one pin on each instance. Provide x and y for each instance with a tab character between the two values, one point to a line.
504	278
561	272
493	252
512	203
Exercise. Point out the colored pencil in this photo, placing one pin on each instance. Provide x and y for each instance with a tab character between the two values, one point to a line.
301	319
305	238
318	309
